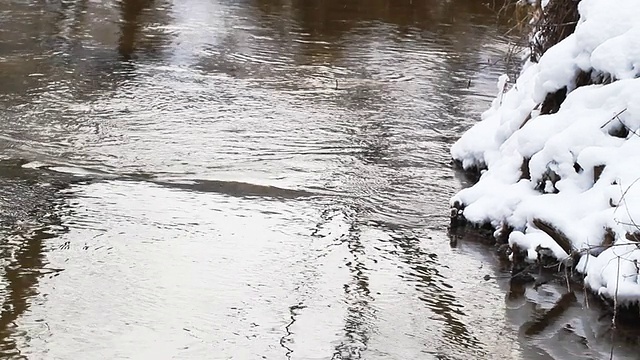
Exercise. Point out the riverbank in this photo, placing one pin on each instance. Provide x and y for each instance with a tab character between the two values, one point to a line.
555	154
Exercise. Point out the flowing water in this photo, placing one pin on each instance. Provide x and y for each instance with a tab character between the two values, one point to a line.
254	179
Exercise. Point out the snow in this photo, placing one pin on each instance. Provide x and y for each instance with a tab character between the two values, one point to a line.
596	129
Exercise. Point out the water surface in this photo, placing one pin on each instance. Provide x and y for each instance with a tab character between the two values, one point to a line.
216	179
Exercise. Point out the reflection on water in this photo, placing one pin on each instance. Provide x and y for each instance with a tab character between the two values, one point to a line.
30	210
250	179
131	23
437	294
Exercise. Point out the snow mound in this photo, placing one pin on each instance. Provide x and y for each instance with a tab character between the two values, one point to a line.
575	171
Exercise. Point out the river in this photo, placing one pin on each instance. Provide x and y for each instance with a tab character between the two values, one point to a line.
254	179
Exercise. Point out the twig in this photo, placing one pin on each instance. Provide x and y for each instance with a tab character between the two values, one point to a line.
615	309
615	296
626	206
628	128
584	288
613	118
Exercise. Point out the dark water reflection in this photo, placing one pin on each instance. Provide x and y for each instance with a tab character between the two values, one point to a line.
248	179
31	207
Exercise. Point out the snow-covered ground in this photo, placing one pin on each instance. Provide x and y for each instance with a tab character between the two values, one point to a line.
577	170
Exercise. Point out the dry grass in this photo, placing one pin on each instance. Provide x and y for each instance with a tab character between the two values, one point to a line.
536	28
553	24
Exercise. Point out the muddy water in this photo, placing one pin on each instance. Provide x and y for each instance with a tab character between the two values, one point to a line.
211	179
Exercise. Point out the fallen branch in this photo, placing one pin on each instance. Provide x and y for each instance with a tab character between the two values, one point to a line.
557	235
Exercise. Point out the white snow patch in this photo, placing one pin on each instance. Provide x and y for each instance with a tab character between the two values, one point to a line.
596	127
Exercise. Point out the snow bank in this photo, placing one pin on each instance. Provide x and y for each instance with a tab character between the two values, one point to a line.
577	169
